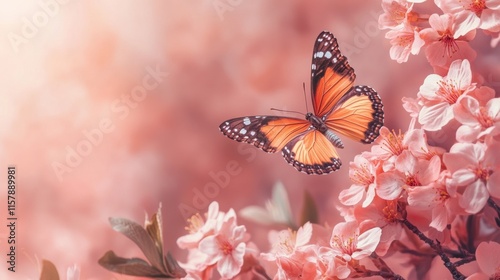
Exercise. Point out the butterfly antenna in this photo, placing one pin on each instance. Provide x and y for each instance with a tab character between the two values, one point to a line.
305	96
287	111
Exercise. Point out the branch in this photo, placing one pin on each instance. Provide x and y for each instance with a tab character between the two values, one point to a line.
457	275
493	205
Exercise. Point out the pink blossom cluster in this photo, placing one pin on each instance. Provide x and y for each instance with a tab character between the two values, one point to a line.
445	35
435	205
216	241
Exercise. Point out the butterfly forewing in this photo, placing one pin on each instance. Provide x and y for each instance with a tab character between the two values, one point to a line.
269	133
358	115
331	74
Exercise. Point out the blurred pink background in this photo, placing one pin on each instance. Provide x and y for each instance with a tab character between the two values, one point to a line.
68	69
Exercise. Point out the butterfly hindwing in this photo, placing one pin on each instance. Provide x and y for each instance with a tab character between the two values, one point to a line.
269	133
312	153
331	75
358	115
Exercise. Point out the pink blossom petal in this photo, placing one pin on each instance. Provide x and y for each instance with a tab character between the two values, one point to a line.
448	6
465	154
475	197
411	106
493	184
436	116
488	258
466	22
439	217
490	20
466	109
352	195
370	195
406	162
463	177
493	108
430	86
468	133
230	265
483	94
389	185
491	159
460	72
428	171
209	245
239	233
441	22
304	235
493	4
367	242
422	197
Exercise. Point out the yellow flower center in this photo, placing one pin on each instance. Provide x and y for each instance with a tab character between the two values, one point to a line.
194	223
362	176
449	91
394	143
477	6
484	119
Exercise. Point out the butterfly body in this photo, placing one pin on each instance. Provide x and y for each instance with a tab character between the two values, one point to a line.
320	125
339	108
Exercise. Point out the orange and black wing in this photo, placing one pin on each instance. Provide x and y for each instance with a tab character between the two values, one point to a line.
312	153
331	75
302	146
353	111
358	115
269	133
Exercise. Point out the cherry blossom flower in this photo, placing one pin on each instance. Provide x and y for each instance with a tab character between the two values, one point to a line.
472	14
396	12
286	242
409	171
384	214
436	197
418	146
475	167
199	228
413	108
389	145
405	40
197	266
438	95
226	247
477	121
362	173
301	265
488	261
292	254
331	267
348	243
443	44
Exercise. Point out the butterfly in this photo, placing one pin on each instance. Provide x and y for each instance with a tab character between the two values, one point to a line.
339	107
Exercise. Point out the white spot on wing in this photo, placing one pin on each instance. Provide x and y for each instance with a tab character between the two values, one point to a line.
246	121
243	131
328	54
319	54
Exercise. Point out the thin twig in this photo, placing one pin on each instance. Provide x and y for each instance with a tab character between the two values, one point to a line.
457	275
